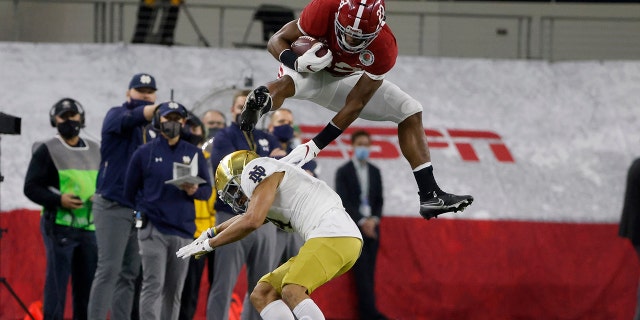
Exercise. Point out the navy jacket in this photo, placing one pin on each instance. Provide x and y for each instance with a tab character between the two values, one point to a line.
348	188
232	139
170	209
122	133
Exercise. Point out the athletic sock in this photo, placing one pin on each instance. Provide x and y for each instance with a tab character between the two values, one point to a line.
277	310
307	309
426	181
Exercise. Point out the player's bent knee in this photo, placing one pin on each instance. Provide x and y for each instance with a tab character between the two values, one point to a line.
410	108
414	119
262	295
292	294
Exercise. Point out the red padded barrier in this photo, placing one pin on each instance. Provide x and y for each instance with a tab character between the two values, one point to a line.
437	269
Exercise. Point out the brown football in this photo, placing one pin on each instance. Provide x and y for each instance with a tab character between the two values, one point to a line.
304	43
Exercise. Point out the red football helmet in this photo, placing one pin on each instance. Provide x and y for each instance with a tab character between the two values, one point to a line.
358	22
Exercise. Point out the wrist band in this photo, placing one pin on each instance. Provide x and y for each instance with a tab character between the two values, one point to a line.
288	58
328	134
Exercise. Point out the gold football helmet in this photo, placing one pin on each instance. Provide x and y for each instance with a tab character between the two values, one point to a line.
228	179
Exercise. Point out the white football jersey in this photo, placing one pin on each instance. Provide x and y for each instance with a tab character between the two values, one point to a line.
302	203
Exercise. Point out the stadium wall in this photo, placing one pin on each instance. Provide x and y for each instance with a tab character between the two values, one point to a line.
543	147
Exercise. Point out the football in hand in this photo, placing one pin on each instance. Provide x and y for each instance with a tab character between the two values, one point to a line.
304	43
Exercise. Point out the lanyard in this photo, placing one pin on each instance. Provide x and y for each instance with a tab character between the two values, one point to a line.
250	140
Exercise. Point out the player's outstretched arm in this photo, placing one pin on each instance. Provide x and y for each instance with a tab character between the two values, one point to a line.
200	246
259	205
239	226
226	224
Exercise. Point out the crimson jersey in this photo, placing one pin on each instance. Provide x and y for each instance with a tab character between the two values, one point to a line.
318	20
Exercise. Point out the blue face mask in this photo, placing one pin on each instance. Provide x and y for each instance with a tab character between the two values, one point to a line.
284	133
361	153
134	103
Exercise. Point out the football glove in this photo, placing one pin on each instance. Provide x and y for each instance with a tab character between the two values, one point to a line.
302	154
197	248
207	234
309	62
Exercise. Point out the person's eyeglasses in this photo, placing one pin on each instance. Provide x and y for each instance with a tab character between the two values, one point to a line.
215	124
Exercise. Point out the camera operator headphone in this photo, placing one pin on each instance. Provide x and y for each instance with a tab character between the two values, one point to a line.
68	101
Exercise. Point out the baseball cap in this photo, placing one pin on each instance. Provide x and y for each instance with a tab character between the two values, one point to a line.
66	105
143	80
166	108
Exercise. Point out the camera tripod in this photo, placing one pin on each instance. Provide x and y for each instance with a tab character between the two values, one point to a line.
6	284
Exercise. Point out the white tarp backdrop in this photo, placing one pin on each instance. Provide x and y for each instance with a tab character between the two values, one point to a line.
572	128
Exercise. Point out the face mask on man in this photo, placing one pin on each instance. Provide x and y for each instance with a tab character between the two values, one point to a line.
212	132
186	135
361	153
69	128
171	129
284	133
194	139
134	103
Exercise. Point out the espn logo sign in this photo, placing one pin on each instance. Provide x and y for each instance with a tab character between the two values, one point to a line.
384	144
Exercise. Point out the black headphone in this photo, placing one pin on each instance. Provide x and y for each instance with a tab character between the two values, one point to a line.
67	102
155	121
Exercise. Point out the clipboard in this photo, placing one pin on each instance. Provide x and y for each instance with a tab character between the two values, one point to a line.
186	173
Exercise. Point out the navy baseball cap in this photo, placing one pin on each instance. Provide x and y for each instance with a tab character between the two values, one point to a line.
142	80
166	108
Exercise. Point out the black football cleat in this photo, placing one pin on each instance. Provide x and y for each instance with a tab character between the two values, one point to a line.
258	103
443	203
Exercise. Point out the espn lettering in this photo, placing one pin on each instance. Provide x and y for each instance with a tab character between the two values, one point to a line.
384	144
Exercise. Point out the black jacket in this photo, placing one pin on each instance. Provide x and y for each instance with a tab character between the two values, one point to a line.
348	187
630	221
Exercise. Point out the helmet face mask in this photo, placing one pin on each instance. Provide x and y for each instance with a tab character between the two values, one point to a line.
357	24
233	195
228	181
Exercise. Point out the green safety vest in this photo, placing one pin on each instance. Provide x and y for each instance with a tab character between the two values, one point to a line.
78	172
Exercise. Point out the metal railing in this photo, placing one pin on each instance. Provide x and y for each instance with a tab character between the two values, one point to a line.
117	9
109	22
550	32
537	36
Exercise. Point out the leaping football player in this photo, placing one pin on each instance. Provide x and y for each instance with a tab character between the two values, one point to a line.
349	80
270	190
